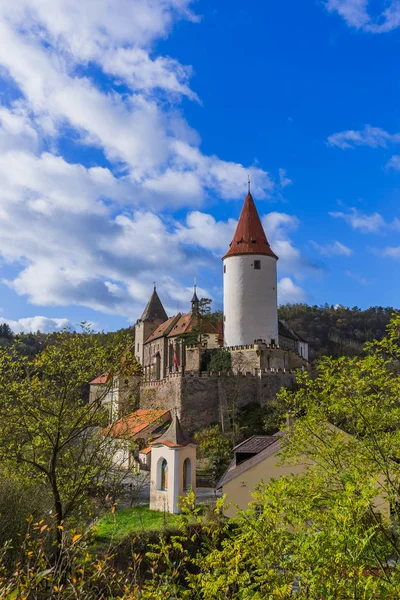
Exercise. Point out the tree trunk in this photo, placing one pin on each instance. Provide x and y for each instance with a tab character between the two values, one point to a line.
58	508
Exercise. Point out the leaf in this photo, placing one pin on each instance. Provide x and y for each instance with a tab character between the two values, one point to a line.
76	537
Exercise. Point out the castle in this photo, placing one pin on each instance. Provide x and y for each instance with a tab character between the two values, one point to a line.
264	351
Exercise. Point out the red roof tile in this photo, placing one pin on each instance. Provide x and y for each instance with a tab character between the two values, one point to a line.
163	329
129	426
101	379
249	236
186	324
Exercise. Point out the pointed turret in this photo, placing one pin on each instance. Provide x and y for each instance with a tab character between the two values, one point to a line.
249	236
154	310
250	283
153	316
195	301
174	436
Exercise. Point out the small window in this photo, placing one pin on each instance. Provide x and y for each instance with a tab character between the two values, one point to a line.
257	264
224	318
138	347
224	268
187	474
163	481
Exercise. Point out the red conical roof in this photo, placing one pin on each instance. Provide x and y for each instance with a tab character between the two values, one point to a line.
249	236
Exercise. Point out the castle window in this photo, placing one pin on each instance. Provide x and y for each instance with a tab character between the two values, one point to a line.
138	347
257	264
224	268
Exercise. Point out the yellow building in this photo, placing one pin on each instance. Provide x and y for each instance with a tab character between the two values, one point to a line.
256	461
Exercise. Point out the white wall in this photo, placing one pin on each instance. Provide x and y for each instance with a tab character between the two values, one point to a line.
250	300
168	500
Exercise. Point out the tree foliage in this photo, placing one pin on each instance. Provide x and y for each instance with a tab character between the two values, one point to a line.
215	446
336	330
49	432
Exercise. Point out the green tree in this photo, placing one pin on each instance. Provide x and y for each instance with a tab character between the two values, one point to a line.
326	531
216	447
201	317
6	331
49	432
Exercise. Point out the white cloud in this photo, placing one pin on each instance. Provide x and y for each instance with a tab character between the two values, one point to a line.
374	137
204	230
394	163
334	249
356	14
145	135
359	220
34	324
392	252
289	292
357	277
278	227
284	180
91	235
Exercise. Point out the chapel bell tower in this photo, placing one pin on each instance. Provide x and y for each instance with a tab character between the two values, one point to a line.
250	283
173	468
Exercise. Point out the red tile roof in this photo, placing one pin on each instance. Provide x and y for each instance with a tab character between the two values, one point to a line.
163	329
145	450
249	236
181	326
186	324
129	426
101	379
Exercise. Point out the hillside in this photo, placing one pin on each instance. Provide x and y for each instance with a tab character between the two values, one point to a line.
336	331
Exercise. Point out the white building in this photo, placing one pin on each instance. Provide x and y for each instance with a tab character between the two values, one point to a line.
250	283
173	468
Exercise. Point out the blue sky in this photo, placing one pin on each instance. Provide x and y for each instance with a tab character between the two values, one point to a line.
128	128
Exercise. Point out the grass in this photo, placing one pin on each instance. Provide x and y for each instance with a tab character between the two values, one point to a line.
114	527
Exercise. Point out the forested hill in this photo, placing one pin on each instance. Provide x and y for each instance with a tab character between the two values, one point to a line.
336	331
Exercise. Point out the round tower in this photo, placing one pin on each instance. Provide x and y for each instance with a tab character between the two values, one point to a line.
250	283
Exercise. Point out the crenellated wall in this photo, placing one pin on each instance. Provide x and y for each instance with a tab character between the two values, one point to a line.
204	398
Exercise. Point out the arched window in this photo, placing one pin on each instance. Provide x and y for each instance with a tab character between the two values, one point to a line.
164	475
187	474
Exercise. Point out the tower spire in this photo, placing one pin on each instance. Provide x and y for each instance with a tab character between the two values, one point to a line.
249	237
195	300
248	184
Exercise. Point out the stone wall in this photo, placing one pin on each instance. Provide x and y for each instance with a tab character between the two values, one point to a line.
193	357
165	393
203	398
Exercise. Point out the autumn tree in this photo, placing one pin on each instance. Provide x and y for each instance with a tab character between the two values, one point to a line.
50	432
326	533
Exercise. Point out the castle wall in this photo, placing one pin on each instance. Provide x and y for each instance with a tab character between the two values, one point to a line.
204	398
166	393
193	358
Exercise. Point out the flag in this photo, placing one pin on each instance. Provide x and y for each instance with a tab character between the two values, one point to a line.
175	358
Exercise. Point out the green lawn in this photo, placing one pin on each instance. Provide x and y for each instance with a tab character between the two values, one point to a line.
130	520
